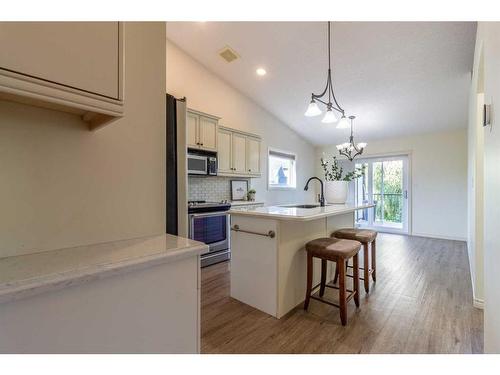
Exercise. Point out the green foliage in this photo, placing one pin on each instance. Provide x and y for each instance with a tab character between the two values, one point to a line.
334	172
388	180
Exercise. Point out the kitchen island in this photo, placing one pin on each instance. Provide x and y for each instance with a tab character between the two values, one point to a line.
268	261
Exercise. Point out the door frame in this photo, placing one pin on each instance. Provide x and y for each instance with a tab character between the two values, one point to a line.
409	189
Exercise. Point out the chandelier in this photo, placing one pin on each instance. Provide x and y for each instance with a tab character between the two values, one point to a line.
333	108
349	149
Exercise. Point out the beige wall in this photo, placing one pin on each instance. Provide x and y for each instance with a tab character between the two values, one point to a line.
438	180
488	45
208	93
61	185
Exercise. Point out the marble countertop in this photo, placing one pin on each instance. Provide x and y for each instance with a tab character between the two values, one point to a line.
286	212
245	203
26	275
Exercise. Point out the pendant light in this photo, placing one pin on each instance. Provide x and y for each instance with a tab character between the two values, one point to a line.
349	149
333	109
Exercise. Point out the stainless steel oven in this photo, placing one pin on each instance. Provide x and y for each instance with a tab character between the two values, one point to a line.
210	223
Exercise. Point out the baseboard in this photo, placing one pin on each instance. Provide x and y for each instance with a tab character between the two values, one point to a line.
452	238
478	303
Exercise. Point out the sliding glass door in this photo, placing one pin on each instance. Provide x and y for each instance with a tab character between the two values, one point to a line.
385	184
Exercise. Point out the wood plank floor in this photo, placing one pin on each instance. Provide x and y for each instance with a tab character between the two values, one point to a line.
422	303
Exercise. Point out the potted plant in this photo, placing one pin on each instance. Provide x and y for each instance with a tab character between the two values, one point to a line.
336	182
251	194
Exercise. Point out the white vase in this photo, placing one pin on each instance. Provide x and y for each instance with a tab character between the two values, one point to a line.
336	191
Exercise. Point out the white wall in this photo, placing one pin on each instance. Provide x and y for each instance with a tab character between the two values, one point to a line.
208	93
488	44
61	185
475	189
438	180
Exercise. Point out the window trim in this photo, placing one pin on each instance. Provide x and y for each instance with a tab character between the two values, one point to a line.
281	151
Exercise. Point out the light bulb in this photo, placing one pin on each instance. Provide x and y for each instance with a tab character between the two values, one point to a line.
362	145
329	117
312	109
343	123
339	147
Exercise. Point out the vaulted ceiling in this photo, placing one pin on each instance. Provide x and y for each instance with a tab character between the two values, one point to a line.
398	78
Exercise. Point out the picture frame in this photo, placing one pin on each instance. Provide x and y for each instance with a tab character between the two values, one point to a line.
239	190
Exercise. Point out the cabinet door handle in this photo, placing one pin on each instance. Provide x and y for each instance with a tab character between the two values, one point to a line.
201	144
249	170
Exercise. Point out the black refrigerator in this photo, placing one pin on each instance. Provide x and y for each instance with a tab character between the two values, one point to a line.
176	167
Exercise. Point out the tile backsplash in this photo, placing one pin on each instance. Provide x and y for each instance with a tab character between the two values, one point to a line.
212	189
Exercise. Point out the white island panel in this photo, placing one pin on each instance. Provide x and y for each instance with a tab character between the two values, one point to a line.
254	263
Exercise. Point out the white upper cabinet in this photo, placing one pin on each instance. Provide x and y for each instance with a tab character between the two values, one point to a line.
238	153
202	130
82	55
253	155
70	66
224	151
208	133
193	121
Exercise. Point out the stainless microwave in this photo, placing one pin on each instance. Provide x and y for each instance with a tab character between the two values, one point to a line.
200	164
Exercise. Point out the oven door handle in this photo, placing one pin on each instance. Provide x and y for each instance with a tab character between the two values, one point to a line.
208	214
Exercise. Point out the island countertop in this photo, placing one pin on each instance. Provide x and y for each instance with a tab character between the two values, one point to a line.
31	274
289	213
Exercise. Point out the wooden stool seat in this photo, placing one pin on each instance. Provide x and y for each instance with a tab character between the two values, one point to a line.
361	235
331	248
367	238
338	251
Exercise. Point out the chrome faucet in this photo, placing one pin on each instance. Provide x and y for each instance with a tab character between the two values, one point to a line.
322	196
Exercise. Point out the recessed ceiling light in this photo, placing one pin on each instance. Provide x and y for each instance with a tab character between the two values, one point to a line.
261	71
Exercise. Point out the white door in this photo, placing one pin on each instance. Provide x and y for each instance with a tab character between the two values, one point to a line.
239	153
224	151
384	184
253	155
208	133
192	130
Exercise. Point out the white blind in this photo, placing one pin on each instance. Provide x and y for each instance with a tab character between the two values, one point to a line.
283	155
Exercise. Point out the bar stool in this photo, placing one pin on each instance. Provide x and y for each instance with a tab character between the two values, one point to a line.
366	237
338	251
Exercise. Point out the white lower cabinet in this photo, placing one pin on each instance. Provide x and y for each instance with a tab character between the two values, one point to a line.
238	153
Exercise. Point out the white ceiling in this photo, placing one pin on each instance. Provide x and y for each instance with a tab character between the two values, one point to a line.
398	78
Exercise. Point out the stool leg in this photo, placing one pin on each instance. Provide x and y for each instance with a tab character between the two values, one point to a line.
309	280
374	265
355	279
323	278
336	273
342	291
366	267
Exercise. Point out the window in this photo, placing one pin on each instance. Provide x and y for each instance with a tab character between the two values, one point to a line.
281	170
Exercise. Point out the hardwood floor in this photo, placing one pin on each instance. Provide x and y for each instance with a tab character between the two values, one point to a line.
421	303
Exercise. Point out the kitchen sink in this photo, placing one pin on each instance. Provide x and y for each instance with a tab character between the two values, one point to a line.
303	206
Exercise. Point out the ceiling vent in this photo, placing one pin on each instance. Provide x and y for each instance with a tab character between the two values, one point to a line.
228	54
